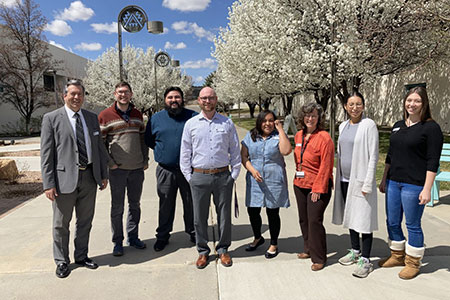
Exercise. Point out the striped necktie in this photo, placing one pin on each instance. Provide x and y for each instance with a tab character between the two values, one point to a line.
82	152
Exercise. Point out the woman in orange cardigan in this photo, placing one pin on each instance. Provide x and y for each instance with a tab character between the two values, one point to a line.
314	158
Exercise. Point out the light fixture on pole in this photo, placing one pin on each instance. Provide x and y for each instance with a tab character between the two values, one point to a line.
133	18
162	59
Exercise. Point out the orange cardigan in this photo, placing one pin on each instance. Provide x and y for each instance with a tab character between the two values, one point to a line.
318	161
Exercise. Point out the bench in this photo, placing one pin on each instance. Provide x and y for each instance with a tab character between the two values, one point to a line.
440	176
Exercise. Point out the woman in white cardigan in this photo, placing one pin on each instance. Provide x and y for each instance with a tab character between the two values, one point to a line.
355	197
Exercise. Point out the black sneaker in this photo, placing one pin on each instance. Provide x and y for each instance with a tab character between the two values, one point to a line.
118	249
160	245
137	243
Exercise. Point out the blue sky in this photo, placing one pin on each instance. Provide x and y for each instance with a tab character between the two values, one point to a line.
86	28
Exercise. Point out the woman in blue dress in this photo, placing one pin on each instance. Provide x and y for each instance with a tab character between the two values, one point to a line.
262	154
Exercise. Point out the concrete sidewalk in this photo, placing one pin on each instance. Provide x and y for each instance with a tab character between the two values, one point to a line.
27	268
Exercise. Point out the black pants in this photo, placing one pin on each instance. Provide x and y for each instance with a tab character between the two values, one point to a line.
367	238
273	215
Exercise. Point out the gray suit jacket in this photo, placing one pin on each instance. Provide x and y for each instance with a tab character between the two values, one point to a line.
59	152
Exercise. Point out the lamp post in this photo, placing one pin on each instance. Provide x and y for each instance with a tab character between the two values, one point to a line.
133	18
162	59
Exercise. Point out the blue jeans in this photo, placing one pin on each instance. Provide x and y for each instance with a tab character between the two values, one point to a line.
404	197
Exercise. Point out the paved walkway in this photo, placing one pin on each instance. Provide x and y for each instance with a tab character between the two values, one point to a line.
27	268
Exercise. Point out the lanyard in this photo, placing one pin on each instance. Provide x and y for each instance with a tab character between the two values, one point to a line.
303	147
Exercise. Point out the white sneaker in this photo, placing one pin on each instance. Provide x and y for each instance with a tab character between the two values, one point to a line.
363	268
349	259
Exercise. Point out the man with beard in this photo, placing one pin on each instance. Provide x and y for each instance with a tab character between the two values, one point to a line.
123	130
209	146
163	135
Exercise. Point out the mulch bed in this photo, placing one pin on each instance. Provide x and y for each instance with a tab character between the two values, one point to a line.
15	193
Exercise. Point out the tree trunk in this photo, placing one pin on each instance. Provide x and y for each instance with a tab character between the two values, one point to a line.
251	106
266	103
287	103
323	97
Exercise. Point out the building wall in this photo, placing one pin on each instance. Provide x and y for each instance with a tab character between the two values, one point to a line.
70	66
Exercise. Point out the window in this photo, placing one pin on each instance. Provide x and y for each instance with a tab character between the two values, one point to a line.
49	83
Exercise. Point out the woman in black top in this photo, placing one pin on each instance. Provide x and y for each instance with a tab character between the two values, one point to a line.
411	165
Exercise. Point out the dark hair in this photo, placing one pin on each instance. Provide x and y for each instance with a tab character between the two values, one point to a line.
309	108
355	94
174	88
123	83
257	130
75	82
425	112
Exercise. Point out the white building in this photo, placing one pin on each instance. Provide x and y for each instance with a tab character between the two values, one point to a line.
71	66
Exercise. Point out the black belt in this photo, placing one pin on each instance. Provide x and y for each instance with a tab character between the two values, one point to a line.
170	168
84	168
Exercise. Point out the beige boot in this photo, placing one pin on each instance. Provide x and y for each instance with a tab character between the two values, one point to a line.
413	262
397	257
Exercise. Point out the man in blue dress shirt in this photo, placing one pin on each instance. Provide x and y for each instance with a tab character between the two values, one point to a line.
210	145
163	135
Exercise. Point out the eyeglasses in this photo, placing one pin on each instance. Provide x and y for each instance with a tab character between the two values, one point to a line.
210	98
123	92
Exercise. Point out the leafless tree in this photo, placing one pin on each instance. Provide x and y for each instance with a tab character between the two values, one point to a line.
24	58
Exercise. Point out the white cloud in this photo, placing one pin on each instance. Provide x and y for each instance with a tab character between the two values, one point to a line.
183	27
166	30
208	63
59	28
76	12
186	5
199	79
8	3
178	46
89	47
105	27
57	45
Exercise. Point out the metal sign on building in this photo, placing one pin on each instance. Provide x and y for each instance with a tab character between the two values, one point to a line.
133	18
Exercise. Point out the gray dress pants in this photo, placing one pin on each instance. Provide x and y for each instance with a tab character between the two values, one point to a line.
169	181
220	186
131	181
83	199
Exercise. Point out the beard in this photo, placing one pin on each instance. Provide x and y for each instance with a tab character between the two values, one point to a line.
174	111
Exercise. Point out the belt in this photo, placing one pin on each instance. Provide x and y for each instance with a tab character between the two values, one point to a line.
84	168
210	171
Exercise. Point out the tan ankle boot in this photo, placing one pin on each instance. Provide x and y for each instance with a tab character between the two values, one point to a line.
413	261
397	257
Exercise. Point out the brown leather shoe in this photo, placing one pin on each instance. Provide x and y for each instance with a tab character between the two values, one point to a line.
303	255
202	261
317	267
225	259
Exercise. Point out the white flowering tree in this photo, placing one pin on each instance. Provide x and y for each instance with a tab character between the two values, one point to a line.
282	47
103	73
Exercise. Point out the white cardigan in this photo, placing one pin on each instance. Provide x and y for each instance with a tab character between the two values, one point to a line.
359	212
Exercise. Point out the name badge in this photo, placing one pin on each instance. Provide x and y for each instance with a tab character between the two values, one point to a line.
298	145
395	129
96	133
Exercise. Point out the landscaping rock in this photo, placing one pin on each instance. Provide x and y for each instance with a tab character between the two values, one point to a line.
8	169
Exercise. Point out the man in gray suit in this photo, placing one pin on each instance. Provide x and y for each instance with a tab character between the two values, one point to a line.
73	163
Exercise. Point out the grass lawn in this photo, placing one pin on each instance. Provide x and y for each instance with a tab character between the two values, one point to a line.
384	135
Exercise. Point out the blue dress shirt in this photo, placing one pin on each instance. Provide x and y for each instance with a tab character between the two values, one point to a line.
209	144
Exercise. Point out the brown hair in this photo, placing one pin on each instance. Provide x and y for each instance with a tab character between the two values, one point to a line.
309	108
425	112
121	84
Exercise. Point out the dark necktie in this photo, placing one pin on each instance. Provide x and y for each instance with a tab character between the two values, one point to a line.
82	152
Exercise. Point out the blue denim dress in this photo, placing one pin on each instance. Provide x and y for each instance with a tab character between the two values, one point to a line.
265	157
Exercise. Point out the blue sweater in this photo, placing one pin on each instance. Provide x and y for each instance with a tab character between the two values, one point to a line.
163	135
